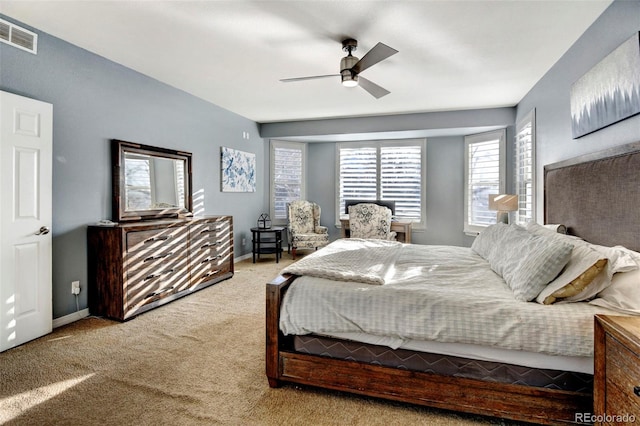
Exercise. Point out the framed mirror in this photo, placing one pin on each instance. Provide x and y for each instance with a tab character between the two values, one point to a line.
150	182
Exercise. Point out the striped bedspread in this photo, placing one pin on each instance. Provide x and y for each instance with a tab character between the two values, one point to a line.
418	292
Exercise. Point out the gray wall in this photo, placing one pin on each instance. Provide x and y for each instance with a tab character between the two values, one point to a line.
95	100
551	95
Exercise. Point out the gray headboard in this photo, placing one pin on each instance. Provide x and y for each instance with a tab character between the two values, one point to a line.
597	196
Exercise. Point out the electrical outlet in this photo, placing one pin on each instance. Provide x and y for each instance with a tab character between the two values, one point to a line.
75	287
244	241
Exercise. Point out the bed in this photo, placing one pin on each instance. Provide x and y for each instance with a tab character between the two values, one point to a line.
595	197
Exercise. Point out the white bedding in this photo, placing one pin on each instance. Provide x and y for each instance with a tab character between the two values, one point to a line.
433	293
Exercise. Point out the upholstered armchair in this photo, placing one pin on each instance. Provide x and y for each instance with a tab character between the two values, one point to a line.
367	220
304	228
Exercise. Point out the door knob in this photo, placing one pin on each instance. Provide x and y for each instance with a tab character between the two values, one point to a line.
43	230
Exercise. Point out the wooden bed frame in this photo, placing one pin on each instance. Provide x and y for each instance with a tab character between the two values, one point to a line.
575	195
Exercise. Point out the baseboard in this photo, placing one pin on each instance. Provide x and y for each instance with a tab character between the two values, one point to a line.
68	319
243	257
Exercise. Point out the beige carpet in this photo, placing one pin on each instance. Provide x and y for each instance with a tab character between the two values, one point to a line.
196	361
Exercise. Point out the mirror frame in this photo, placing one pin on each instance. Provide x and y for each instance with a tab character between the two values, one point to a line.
119	212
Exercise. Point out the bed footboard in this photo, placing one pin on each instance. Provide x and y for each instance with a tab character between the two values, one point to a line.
516	402
274	338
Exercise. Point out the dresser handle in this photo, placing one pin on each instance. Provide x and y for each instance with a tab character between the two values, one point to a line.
160	256
204	246
208	231
151	240
636	390
211	259
157	293
150	276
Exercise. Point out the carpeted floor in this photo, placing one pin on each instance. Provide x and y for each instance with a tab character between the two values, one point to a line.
196	361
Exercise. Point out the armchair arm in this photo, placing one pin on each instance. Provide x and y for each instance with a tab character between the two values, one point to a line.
322	230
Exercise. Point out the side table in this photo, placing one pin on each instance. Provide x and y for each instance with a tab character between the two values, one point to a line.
264	243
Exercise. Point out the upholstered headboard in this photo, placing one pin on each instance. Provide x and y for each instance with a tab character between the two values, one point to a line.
597	196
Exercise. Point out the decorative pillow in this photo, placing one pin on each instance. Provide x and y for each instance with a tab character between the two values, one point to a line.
527	262
559	228
586	260
557	289
487	240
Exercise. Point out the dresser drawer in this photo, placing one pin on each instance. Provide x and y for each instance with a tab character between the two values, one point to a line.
203	272
153	239
623	376
152	282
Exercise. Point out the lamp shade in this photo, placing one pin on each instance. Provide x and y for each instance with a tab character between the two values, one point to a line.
503	202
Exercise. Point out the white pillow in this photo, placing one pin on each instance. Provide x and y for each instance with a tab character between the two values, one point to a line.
623	295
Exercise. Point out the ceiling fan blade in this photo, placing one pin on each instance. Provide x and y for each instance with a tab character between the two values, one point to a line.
375	90
378	53
289	80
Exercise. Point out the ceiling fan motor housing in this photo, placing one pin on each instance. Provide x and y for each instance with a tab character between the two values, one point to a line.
349	77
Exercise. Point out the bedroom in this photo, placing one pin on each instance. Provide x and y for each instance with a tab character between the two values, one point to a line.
81	176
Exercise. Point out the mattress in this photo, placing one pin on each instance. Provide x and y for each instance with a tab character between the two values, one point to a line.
440	294
469	368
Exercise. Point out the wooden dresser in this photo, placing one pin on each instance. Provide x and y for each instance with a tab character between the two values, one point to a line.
616	384
135	267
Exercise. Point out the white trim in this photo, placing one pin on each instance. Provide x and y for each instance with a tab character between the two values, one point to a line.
241	258
68	319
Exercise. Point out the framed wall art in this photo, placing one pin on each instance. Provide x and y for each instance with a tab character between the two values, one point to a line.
238	170
609	92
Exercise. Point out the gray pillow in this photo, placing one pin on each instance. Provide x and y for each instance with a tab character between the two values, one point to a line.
526	262
487	240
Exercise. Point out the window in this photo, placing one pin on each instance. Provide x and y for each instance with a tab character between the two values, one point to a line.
484	174
525	166
288	160
383	170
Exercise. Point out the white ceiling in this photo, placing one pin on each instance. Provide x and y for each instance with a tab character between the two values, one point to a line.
453	55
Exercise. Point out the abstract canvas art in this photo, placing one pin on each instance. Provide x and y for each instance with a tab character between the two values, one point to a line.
238	170
609	92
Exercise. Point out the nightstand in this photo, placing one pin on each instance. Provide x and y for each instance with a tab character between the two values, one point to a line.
616	381
263	243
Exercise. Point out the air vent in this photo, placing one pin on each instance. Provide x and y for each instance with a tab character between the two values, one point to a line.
18	37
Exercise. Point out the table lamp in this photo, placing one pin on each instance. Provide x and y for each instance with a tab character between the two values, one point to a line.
503	204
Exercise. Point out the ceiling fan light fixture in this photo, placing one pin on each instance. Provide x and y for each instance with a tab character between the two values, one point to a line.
349	79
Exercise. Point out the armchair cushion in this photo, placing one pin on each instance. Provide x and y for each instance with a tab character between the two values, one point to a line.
368	220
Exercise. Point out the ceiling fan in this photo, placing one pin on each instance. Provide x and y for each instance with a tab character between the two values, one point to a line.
351	67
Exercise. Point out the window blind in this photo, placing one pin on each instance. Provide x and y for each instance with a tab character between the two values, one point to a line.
287	178
484	172
384	171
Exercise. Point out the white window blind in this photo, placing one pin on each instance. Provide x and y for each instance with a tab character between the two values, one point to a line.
401	179
525	168
383	170
287	177
484	175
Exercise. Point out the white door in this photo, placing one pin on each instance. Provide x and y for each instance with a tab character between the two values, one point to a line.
25	219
